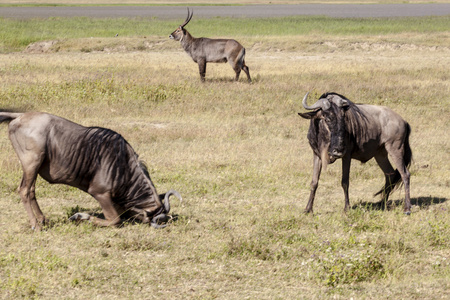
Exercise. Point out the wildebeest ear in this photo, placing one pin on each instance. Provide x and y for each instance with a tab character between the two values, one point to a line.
308	115
340	102
344	103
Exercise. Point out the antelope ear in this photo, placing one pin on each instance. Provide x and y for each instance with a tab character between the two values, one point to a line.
308	115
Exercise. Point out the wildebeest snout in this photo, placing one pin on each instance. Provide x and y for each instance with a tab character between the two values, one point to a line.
336	153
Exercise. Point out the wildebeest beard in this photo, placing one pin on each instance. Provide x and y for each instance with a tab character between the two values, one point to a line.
319	139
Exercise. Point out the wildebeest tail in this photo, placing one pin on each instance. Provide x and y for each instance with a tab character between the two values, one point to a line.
8	116
407	158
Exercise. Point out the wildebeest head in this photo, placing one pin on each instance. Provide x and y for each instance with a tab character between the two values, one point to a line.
180	32
327	132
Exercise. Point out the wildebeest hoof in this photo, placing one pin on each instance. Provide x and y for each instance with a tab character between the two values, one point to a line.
79	217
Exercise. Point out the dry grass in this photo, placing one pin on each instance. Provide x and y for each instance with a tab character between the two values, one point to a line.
238	154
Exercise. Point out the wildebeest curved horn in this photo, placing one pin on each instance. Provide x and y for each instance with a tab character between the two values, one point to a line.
324	104
156	221
306	106
167	195
160	221
188	18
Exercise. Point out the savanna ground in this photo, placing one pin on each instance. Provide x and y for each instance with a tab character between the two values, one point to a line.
238	153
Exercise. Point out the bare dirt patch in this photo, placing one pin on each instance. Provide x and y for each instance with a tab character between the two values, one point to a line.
370	46
41	47
108	45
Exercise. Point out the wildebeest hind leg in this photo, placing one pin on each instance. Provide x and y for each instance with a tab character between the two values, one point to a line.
397	153
30	166
389	173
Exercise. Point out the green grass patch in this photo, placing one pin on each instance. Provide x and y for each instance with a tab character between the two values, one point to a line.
17	34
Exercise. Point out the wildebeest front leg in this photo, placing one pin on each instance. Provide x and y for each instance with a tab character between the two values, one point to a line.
112	217
202	68
314	183
346	162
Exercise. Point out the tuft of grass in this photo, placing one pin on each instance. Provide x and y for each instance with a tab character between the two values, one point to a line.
357	266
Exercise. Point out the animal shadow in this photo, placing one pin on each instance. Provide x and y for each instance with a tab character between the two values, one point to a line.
69	211
220	80
125	220
427	201
423	202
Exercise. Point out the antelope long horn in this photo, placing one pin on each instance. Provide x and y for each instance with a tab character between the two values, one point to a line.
188	18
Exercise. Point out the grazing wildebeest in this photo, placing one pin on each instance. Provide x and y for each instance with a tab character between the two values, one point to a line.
340	128
204	50
96	160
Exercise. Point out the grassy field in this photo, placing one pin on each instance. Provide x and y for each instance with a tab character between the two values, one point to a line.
238	154
152	33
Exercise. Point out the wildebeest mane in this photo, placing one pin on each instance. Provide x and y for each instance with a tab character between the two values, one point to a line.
325	95
104	149
357	125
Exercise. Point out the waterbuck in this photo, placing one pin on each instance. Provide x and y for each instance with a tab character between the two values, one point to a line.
341	129
96	160
204	50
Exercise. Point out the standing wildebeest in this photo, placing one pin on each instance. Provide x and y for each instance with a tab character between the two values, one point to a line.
341	129
204	50
96	160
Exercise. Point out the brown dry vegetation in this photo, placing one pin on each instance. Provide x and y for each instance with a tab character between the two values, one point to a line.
238	153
